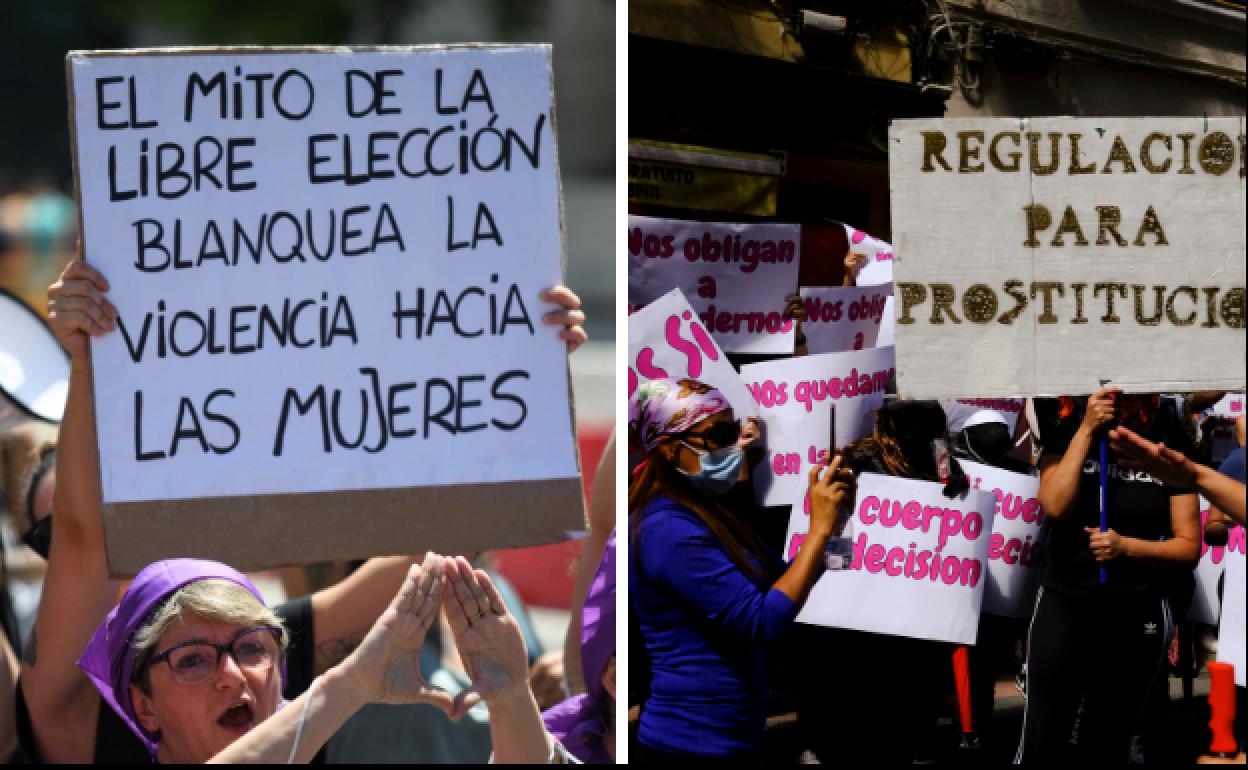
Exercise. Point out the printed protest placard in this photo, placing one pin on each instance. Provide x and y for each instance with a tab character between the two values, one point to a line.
1047	254
666	339
327	264
959	410
920	562
1205	602
798	431
877	258
841	318
1231	627
1017	535
736	276
853	382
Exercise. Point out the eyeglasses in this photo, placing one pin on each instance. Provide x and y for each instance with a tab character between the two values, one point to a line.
721	434
254	648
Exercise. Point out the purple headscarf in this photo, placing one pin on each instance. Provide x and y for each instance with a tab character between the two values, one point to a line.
581	721
109	658
661	408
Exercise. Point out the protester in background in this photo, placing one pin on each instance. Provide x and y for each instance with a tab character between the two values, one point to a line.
59	714
708	595
902	677
601	526
585	723
1104	642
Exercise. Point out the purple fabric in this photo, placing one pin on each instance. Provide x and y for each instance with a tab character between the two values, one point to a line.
109	657
581	722
661	408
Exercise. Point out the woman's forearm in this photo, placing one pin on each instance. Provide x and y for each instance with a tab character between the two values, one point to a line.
330	702
1059	488
517	731
1173	552
801	575
76	502
1223	492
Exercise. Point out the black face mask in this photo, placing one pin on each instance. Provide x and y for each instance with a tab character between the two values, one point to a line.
987	443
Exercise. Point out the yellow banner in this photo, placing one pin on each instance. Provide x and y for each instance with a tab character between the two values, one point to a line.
656	183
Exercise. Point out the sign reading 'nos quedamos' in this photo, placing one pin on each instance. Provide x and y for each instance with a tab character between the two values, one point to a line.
1047	254
327	265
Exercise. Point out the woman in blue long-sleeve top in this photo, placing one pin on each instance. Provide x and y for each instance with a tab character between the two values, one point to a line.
704	589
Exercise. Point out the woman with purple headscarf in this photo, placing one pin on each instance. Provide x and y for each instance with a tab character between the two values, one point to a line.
707	594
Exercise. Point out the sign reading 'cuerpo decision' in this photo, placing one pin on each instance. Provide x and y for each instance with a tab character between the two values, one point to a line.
1046	254
327	265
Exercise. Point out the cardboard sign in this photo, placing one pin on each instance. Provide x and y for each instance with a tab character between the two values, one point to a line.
920	562
797	431
1046	254
841	318
877	266
666	339
854	383
1205	602
959	410
327	264
1231	627
736	276
1017	534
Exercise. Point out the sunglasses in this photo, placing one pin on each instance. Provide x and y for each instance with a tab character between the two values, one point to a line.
718	436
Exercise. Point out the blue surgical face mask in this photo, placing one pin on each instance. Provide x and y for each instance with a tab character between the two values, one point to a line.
720	469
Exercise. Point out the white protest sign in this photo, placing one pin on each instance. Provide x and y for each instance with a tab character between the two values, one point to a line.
919	562
1017	533
1205	602
958	411
327	265
665	339
853	382
736	276
888	327
877	258
840	318
1231	627
1046	254
798	433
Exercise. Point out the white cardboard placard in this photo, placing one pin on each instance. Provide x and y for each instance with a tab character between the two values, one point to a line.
736	276
841	318
877	265
1017	256
1017	533
1231	626
900	526
1205	602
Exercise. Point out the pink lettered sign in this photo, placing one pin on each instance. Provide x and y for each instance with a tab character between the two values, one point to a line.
1017	533
841	318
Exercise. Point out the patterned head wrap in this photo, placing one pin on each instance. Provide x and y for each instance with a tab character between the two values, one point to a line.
661	408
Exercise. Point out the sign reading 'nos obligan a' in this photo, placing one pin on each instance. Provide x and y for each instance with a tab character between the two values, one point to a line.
1046	254
327	264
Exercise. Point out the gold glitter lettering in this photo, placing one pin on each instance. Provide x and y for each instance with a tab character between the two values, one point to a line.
1211	307
967	153
1047	288
1016	157
1075	168
1155	318
1217	153
1151	224
943	295
1012	287
1187	153
1109	288
1070	224
1120	154
911	294
1233	308
1174	319
1038	218
1146	153
1110	218
933	145
1078	288
1055	155
979	303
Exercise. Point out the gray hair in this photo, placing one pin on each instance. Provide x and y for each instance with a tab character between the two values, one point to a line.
213	600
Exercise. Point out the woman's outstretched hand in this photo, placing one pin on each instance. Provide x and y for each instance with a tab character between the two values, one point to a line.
568	315
487	636
77	307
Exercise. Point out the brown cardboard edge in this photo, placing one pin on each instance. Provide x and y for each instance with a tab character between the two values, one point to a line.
262	531
289	49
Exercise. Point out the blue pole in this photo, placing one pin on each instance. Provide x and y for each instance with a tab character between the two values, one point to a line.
1104	495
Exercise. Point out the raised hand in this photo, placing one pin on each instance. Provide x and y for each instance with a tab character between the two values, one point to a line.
77	307
568	315
386	665
487	636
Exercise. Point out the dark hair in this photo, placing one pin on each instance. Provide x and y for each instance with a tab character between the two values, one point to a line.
656	478
47	461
